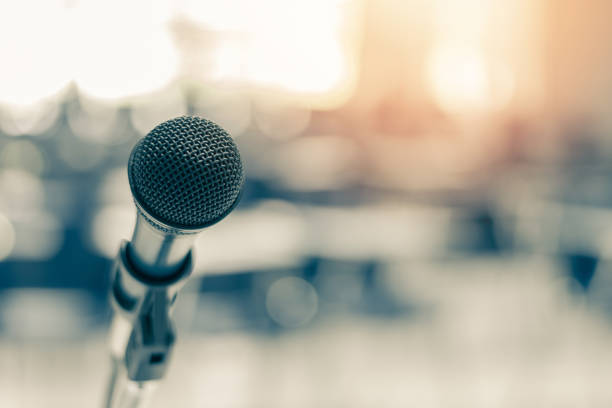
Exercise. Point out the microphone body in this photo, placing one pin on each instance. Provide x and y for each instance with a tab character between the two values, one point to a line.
185	175
159	249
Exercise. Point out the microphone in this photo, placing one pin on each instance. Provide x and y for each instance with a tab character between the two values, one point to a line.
185	175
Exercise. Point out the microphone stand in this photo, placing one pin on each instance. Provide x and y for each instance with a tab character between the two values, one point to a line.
124	393
142	333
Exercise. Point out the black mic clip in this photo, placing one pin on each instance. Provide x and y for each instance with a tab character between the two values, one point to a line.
145	302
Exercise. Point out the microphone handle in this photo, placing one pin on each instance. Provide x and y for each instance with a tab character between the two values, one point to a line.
158	250
124	393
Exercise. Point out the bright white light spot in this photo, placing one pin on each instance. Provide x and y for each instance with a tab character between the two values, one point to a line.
317	65
113	49
124	48
110	225
463	81
458	78
302	60
33	49
291	302
7	237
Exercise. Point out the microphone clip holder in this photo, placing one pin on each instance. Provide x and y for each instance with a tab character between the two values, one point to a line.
145	302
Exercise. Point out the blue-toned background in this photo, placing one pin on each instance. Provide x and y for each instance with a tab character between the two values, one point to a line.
426	219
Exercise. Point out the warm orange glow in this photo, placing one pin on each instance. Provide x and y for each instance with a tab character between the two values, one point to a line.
463	81
313	65
466	69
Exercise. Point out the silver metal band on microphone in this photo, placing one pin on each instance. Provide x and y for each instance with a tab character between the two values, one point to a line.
158	249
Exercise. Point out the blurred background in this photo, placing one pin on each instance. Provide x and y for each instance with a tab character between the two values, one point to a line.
427	219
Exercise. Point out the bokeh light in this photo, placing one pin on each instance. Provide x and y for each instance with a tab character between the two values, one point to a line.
110	225
135	57
93	120
23	155
36	60
291	302
80	154
21	192
318	66
32	119
38	236
463	81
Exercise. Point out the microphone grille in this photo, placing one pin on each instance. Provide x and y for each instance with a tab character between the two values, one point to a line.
186	173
